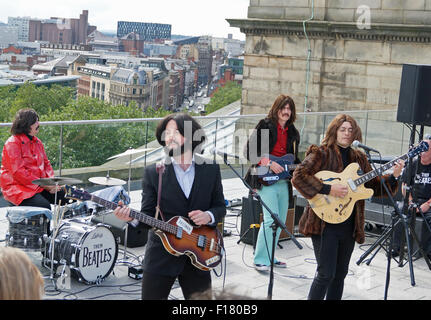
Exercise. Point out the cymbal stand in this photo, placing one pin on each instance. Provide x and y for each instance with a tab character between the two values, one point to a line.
54	230
128	192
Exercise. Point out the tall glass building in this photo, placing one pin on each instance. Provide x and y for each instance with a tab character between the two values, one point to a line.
148	31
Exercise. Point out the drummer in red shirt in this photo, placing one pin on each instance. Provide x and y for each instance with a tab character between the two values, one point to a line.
24	160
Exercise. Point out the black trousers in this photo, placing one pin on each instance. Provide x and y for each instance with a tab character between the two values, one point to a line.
333	250
44	199
156	287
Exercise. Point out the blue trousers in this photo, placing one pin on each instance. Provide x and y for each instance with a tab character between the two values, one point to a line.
276	198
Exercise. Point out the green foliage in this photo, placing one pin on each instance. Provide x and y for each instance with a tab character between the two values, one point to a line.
231	92
88	145
83	145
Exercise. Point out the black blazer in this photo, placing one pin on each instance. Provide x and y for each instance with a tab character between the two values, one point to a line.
206	195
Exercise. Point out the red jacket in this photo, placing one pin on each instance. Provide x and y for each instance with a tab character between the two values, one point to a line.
23	160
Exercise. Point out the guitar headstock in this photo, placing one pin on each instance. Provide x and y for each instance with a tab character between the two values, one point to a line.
421	147
76	194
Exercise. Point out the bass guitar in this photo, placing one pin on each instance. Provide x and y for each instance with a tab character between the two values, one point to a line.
203	244
337	210
267	177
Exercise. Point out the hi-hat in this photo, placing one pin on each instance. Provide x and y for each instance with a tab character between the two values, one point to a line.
130	152
55	181
107	181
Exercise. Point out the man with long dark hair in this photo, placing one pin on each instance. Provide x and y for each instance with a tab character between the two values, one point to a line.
333	243
24	160
275	135
191	188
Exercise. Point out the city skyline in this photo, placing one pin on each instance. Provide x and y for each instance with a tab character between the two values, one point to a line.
205	17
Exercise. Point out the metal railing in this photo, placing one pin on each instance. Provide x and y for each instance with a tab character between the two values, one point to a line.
86	145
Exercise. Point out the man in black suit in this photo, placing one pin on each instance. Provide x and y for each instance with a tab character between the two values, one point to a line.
191	188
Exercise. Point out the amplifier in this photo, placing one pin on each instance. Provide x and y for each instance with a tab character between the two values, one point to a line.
252	217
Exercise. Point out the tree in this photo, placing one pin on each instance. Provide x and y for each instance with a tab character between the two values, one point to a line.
83	145
92	145
231	92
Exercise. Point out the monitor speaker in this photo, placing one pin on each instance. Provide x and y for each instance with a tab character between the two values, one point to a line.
414	103
252	217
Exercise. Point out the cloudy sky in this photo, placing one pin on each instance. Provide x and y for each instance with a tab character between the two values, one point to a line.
187	17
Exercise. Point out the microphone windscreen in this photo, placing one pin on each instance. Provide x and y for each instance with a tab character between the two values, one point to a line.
355	143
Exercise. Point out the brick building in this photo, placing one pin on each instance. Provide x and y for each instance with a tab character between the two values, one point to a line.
132	43
61	30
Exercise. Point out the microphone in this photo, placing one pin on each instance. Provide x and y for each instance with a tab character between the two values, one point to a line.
357	144
223	154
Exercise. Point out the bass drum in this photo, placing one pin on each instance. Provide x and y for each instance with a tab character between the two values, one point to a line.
90	251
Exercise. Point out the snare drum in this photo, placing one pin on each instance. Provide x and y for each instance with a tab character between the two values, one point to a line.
28	226
90	251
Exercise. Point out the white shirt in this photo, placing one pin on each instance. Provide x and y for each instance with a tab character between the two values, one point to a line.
185	179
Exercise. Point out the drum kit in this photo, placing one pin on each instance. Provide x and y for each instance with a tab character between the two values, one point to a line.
89	250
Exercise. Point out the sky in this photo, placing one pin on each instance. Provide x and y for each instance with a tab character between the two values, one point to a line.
187	17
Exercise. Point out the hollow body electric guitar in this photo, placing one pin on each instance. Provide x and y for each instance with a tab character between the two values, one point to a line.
267	177
203	244
337	210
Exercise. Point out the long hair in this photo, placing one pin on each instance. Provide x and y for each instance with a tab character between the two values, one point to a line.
188	128
330	139
24	119
20	279
279	104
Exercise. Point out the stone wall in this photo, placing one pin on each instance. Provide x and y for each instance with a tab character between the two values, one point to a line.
383	11
351	67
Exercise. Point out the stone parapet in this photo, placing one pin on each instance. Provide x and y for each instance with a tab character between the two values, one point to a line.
334	30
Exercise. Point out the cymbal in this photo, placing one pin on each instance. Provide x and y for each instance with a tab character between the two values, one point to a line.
55	180
107	181
130	152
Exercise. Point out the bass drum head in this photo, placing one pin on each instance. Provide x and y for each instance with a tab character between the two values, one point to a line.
97	254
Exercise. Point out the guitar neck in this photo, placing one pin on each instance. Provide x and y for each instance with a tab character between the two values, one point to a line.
142	217
379	171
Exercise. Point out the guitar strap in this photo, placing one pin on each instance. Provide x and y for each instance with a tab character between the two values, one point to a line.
160	168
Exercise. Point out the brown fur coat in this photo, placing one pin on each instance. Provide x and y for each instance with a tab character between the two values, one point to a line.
324	158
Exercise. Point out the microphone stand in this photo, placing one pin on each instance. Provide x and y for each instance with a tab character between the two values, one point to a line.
390	232
370	160
276	224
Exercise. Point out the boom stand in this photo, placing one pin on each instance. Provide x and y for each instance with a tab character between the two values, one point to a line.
411	211
126	231
276	224
55	227
389	232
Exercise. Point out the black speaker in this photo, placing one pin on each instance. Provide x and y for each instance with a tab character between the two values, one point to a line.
250	218
414	103
136	237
